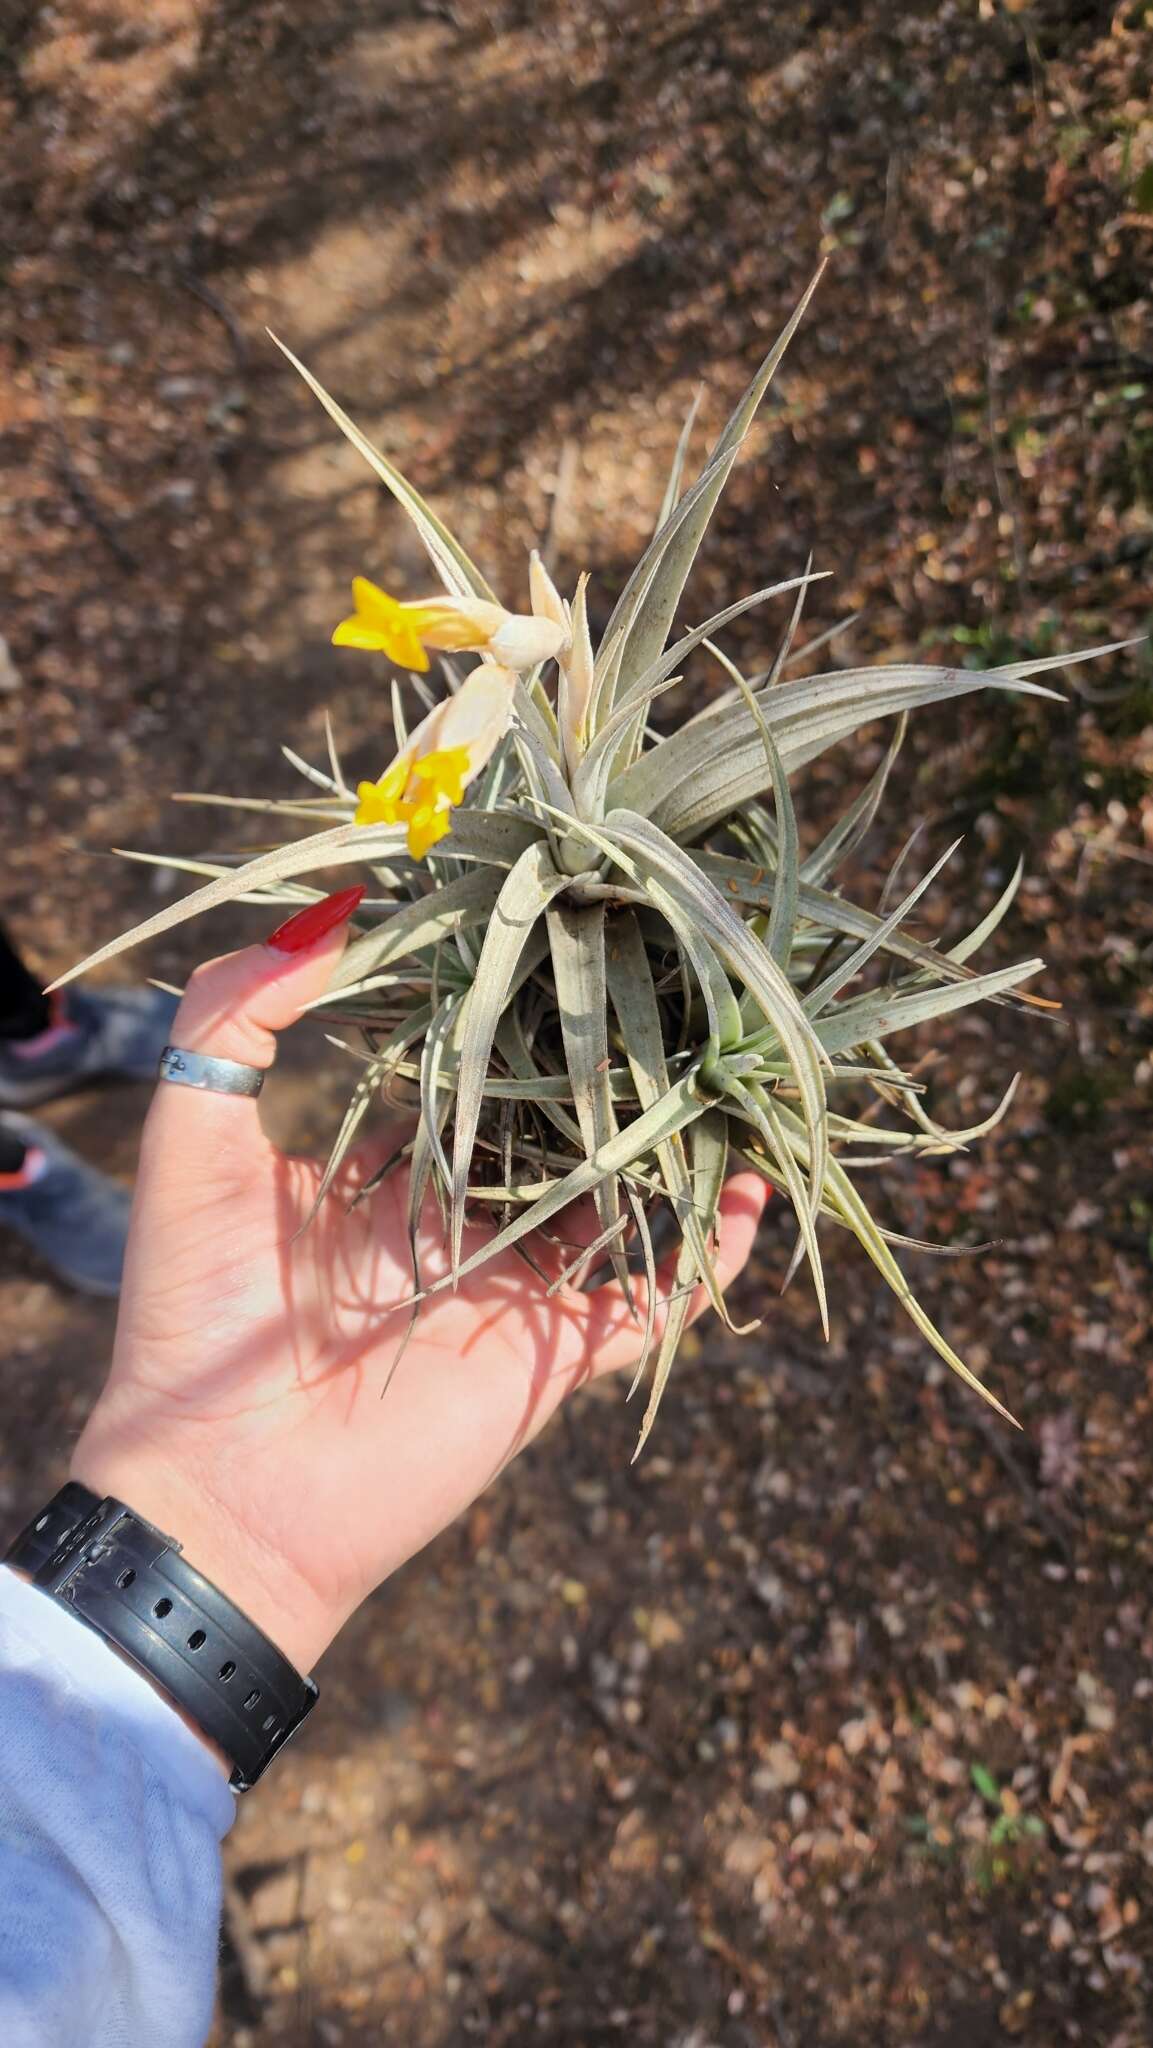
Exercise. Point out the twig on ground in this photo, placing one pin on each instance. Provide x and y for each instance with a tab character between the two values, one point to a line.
243	1947
78	490
562	494
224	314
1006	496
994	1436
551	1942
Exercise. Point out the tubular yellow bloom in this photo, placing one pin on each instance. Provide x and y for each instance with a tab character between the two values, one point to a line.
380	625
380	803
456	625
425	826
446	751
445	771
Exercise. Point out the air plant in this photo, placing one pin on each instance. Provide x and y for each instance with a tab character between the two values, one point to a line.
594	958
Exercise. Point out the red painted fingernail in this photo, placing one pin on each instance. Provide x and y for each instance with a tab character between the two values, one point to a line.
307	927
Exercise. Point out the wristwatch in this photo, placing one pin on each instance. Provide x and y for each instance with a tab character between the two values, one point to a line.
129	1582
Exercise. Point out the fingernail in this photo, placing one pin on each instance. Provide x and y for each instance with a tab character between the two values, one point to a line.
308	926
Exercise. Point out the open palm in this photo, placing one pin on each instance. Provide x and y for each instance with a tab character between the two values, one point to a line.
262	1406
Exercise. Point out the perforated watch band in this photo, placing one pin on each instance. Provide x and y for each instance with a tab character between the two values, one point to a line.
128	1581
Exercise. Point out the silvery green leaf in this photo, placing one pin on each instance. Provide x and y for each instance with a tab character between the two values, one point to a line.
710	768
745	956
726	1024
672	657
421	1175
436	1061
317	776
819	640
819	998
575	686
889	886
645	612
497	775
338	775
678	1108
427	922
853	1211
851	827
910	1098
341	847
549	1091
497	838
577	942
551	1088
593	767
988	925
945	1140
283	892
673	486
1039	663
808	715
608	1240
596	767
506	1195
754	886
527	891
677	1309
543	734
760	1105
783	915
708	1145
644	1235
634	999
709	1152
458	573
543	782
320	809
379	1066
399	721
786	647
886	1010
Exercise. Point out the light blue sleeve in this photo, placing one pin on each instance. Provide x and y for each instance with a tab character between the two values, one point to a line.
111	1819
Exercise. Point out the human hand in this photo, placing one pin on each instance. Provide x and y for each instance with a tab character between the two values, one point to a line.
243	1411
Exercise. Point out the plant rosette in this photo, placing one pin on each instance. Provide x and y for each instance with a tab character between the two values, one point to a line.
594	958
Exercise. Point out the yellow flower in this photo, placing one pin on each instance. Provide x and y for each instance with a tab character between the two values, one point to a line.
379	802
426	825
445	771
458	625
416	793
446	751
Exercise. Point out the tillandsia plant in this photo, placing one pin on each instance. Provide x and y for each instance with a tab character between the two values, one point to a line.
595	960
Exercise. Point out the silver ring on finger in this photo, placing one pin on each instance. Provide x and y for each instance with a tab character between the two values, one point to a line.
201	1070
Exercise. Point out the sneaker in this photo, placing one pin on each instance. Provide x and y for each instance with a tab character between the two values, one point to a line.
100	1034
75	1217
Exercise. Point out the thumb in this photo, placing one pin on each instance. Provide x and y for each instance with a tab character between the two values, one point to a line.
233	1008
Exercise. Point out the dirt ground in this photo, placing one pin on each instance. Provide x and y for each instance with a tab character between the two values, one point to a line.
831	1721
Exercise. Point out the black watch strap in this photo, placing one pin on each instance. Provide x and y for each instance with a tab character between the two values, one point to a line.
35	1543
130	1583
